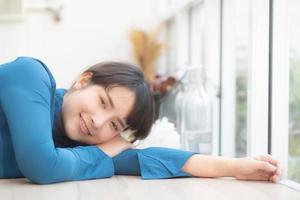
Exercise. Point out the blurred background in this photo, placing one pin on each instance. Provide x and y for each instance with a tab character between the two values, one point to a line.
248	52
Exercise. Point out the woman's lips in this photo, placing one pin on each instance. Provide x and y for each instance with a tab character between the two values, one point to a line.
82	126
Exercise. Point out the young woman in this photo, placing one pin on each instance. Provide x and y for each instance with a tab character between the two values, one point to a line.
52	135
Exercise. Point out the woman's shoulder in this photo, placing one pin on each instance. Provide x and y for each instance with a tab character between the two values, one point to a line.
26	70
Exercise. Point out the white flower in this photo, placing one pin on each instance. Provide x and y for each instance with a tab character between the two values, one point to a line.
162	134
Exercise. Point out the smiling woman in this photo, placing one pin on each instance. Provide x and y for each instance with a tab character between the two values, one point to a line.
92	115
52	135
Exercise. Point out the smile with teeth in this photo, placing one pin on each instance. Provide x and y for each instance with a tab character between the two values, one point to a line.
83	127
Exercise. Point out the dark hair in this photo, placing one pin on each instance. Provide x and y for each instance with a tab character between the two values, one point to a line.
112	74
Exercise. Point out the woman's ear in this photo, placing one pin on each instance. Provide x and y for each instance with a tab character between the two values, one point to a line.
83	80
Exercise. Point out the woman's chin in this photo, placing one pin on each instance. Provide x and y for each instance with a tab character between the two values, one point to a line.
73	137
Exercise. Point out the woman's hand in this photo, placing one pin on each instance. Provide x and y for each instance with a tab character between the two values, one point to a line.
263	167
115	146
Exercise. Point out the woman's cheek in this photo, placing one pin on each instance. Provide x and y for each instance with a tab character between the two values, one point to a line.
109	136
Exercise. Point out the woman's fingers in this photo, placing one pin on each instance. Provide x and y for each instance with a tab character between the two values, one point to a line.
263	167
273	161
268	158
278	171
267	166
274	178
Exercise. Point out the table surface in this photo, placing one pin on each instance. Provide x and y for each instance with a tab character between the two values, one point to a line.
133	187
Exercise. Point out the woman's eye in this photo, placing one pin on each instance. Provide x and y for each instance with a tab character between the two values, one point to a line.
102	102
115	127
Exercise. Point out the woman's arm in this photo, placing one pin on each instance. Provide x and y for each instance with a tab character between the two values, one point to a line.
26	97
248	168
160	162
115	146
152	162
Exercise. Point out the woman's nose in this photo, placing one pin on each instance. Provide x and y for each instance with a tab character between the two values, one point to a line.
99	120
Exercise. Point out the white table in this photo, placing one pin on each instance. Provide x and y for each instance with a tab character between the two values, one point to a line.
132	187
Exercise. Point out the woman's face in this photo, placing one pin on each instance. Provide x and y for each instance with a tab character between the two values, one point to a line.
92	115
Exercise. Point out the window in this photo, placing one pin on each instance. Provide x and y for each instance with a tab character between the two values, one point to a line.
173	55
294	92
171	37
241	62
197	35
204	45
193	38
259	77
235	63
285	86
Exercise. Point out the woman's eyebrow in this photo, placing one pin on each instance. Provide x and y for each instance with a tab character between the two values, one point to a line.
113	106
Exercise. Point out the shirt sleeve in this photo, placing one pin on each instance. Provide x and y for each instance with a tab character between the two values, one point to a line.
152	162
26	98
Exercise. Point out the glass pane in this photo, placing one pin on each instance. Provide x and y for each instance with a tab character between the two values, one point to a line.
166	108
197	33
171	37
203	51
294	91
241	70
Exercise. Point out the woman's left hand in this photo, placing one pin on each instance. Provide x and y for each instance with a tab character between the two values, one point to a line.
263	167
115	146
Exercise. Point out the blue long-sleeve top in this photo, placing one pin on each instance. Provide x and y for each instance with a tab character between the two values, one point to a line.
33	144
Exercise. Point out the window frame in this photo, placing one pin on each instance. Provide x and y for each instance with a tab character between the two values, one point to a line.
258	81
280	88
227	133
